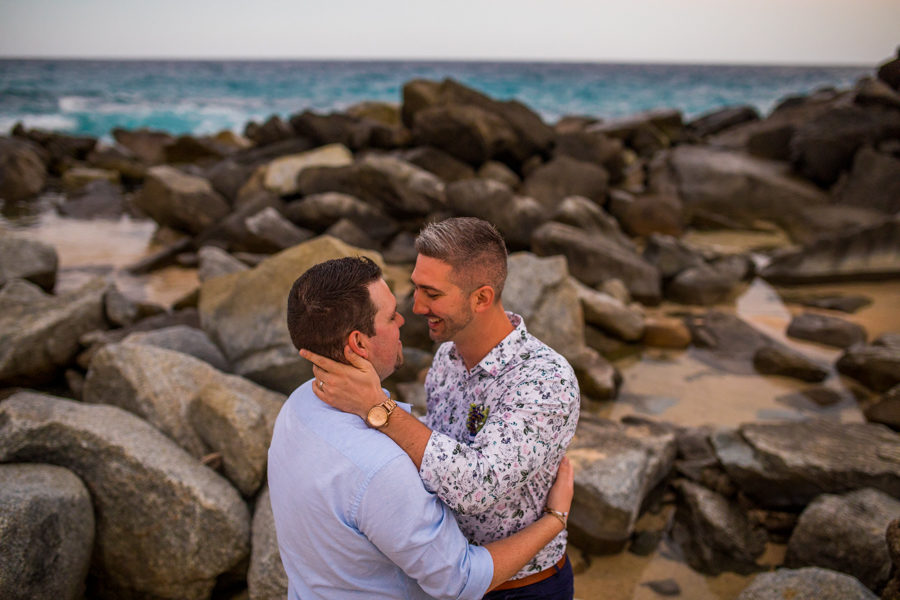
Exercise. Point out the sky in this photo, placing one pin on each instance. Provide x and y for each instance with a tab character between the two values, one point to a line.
826	32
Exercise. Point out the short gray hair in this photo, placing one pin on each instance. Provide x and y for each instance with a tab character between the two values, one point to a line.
473	248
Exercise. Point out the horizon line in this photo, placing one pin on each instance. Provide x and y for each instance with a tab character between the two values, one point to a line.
608	61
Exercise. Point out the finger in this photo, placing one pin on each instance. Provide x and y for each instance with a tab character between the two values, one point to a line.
318	360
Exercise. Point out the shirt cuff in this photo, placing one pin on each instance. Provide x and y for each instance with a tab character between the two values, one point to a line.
435	460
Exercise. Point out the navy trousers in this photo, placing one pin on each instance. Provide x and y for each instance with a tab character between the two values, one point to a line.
559	586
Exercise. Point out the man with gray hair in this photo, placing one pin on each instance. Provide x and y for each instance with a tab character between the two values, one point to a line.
502	406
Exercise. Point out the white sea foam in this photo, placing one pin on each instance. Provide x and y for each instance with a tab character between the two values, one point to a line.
54	122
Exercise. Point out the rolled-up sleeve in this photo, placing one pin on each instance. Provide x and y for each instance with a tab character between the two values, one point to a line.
419	534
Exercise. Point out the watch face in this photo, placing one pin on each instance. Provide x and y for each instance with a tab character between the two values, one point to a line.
377	416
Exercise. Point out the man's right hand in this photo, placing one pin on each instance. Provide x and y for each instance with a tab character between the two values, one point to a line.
353	388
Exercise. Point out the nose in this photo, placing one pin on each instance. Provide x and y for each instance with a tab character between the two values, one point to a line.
401	320
419	307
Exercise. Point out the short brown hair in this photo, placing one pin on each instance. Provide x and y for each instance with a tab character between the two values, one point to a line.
329	301
472	247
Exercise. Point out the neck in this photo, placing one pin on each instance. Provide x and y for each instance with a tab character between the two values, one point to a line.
486	331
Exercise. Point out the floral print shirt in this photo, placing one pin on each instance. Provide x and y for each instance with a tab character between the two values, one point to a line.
499	432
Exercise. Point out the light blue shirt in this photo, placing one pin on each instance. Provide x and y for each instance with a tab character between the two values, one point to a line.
353	518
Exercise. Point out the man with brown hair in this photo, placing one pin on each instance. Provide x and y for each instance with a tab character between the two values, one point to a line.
502	405
352	516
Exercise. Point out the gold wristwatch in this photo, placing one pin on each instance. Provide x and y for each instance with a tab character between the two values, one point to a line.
379	414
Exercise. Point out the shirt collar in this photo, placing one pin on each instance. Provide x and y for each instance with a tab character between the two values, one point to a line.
503	353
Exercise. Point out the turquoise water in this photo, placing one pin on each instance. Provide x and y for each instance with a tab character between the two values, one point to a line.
91	97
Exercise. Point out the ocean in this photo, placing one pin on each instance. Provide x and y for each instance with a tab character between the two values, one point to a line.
91	97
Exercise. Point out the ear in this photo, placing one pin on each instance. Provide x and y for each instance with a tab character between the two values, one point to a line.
482	298
359	343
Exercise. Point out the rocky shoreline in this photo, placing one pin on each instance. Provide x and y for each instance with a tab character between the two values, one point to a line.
133	436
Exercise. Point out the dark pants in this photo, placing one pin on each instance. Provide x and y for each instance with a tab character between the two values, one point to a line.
559	586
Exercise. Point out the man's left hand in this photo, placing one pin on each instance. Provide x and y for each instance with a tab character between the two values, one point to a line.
353	388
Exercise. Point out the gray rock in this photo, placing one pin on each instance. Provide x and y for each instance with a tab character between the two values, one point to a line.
886	409
714	533
597	377
445	166
728	342
671	255
352	234
47	528
839	302
593	147
24	258
118	308
203	410
746	189
470	133
273	232
781	360
22	170
180	201
586	214
320	211
593	259
280	175
826	329
876	366
616	466
873	182
40	338
825	145
721	119
147	145
497	171
541	291
705	284
243	313
515	217
266	579
395	187
274	129
563	177
646	132
811	583
611	315
789	464
643	215
215	262
846	533
867	254
185	339
166	526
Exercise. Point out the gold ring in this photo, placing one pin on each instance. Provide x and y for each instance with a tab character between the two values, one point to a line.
321	385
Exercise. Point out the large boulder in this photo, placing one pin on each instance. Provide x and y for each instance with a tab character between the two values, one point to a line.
515	217
719	120
593	259
564	176
22	170
825	145
281	174
175	199
743	188
616	466
47	528
166	526
184	339
873	182
24	258
203	410
825	329
541	291
846	533
611	314
147	145
811	583
714	533
442	164
469	133
320	211
266	579
876	365
789	464
394	186
244	313
866	254
586	214
39	334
